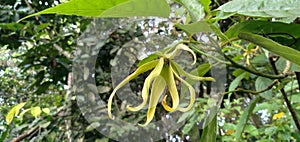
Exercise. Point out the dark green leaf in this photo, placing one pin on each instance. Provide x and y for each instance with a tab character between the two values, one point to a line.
281	50
262	83
210	131
285	34
244	119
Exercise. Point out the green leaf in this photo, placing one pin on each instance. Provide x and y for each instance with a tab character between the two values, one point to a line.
109	8
210	131
158	8
23	113
262	83
13	112
148	59
195	9
285	34
244	119
46	110
43	87
281	50
205	4
36	111
234	84
252	130
263	8
200	26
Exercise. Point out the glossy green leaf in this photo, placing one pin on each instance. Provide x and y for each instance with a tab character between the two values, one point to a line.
195	9
263	8
285	34
111	8
262	83
281	50
244	119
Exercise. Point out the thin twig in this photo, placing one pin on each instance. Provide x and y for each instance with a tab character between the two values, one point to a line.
288	103
251	91
254	71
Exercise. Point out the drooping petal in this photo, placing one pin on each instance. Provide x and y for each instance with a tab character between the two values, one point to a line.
180	71
191	90
181	47
145	67
145	92
169	77
158	87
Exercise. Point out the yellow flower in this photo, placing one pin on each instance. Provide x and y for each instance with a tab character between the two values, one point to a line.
278	115
163	75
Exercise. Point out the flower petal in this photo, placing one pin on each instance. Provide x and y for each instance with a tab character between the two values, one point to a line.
145	67
180	71
145	92
191	89
158	87
181	47
170	80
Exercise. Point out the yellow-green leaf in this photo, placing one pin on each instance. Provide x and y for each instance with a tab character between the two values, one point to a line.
36	111
109	8
46	110
13	112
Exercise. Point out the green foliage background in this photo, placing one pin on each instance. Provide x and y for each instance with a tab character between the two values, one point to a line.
259	40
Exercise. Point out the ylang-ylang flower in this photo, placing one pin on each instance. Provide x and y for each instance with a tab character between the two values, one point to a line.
163	75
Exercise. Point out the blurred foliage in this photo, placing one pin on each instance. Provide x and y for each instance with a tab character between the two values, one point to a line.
36	61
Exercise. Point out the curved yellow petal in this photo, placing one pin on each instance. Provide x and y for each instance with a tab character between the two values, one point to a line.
145	67
145	92
170	80
191	89
180	71
158	87
165	104
181	47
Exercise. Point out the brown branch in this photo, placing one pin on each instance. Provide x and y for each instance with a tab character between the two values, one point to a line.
298	79
25	135
251	91
271	76
288	103
65	53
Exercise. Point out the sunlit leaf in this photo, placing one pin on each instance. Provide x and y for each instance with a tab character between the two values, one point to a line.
46	110
109	8
263	8
36	111
195	9
13	112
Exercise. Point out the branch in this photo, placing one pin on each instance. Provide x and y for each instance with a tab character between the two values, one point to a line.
26	134
254	71
251	91
288	103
